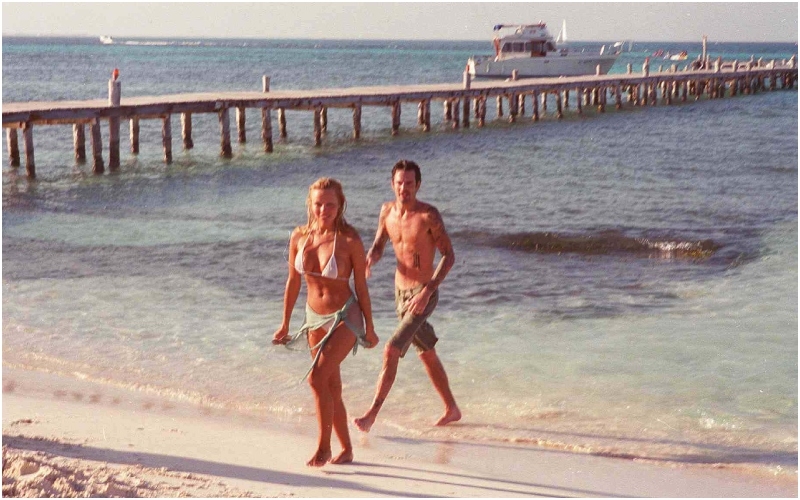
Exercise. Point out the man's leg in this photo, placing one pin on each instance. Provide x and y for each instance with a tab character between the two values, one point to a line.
391	358
396	347
440	382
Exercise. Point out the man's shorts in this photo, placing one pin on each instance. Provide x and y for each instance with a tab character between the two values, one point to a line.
413	329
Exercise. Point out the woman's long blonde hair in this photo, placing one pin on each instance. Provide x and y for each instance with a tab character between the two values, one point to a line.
327	183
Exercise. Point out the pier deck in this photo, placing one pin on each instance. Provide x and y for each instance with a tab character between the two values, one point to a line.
642	89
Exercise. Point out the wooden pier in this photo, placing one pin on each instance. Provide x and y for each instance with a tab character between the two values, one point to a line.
463	103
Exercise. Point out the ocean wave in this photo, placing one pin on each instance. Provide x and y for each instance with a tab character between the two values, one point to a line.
596	243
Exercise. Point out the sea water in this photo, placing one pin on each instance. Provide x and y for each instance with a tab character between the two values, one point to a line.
625	283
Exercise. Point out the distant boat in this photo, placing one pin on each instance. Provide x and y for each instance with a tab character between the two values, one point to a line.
106	40
532	52
562	35
679	57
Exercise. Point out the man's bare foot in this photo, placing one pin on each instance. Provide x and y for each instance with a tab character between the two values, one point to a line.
345	457
364	423
319	459
451	415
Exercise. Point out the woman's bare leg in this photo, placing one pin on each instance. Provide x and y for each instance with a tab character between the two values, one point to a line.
340	421
334	352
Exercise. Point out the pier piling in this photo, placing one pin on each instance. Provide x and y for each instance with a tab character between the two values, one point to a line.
559	110
282	123
98	167
396	117
114	99
13	147
225	133
241	122
134	135
456	110
357	121
27	140
186	131
78	142
166	138
317	126
266	129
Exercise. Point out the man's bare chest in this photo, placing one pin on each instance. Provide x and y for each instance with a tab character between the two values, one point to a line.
407	230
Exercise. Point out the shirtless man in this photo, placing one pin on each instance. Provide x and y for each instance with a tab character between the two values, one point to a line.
417	231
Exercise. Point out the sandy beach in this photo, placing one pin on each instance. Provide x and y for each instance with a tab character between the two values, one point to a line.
65	437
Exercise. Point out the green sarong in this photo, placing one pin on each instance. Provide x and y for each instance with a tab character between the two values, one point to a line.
315	320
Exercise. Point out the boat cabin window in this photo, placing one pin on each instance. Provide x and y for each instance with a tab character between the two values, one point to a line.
519	47
538	49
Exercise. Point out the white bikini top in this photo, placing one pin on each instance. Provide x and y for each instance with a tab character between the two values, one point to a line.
331	270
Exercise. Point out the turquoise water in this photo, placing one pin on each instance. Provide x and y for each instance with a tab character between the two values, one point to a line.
625	283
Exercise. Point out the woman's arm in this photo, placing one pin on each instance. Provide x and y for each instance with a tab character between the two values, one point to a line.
358	261
290	294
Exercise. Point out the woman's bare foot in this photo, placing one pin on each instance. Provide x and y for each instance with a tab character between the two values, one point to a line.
364	423
319	459
345	457
451	415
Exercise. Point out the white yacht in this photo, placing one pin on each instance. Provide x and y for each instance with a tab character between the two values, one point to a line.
532	51
106	40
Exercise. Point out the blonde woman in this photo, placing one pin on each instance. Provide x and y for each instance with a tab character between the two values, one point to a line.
327	251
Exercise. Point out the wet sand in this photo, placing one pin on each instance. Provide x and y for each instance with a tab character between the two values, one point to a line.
65	437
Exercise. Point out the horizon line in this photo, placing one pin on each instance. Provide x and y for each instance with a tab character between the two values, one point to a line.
211	37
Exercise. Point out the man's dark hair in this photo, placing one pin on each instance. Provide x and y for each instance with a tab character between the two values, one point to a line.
406	166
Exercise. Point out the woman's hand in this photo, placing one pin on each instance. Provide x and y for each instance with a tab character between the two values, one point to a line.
372	338
281	335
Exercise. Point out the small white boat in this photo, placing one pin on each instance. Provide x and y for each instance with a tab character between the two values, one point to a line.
106	40
679	57
532	51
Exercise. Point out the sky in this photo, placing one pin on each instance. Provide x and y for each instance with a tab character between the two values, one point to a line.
596	21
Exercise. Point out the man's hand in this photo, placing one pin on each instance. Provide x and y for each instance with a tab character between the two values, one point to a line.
419	302
372	259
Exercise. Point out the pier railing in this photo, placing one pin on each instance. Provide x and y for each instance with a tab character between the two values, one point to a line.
460	102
